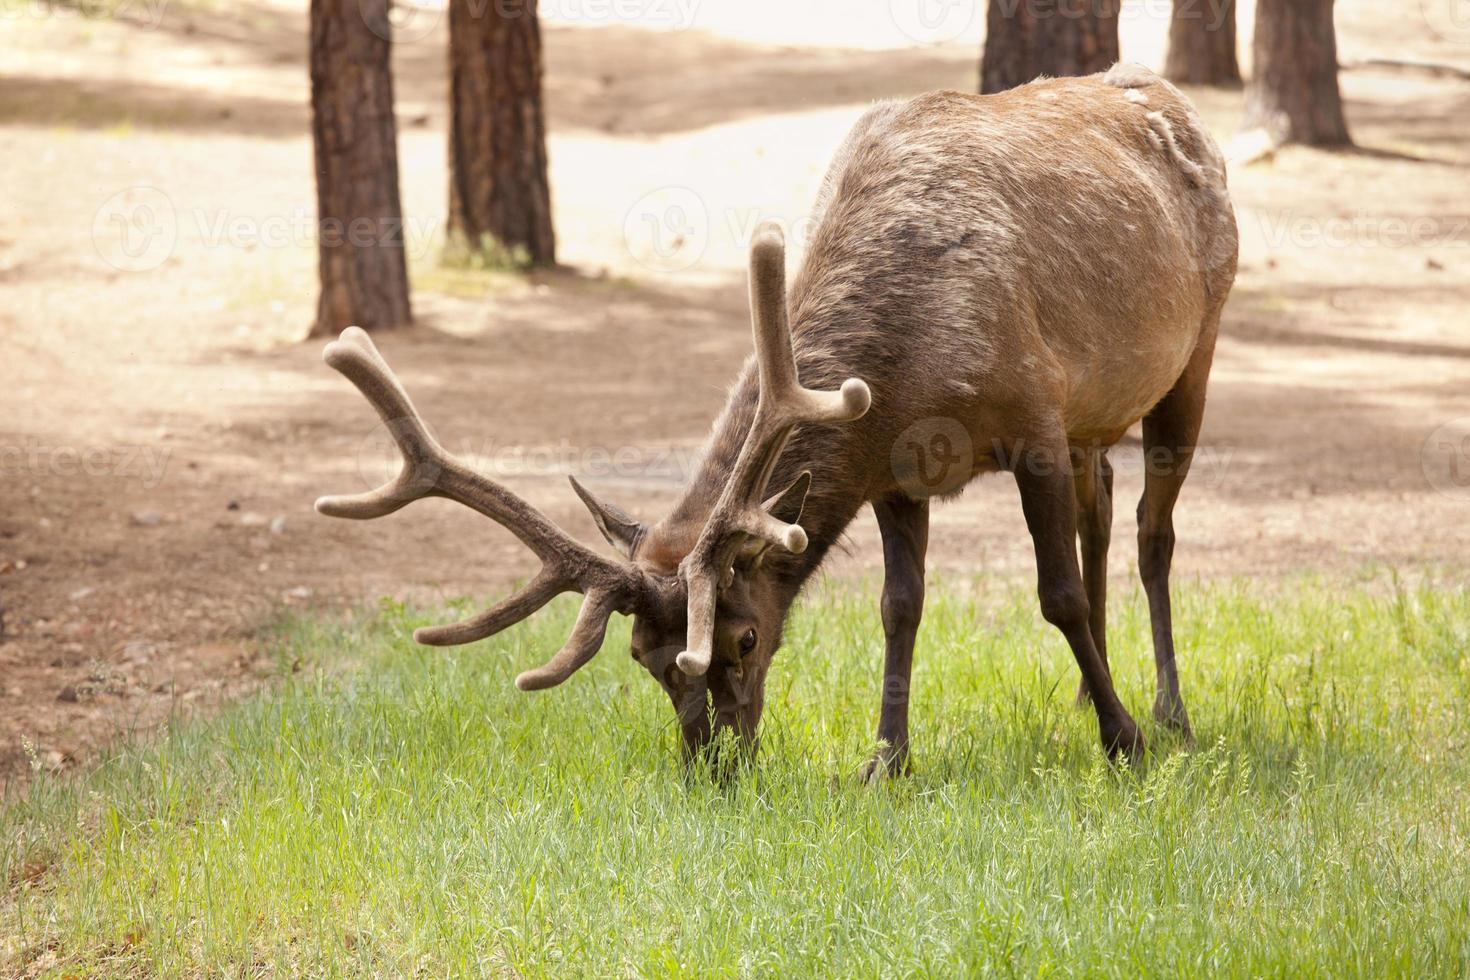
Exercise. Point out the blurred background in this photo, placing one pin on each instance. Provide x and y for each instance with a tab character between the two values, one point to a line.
557	274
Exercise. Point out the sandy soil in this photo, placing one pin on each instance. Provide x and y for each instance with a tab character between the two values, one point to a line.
163	430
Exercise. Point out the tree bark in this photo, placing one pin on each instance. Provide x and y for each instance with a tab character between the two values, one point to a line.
1027	38
1293	93
1202	44
360	238
499	195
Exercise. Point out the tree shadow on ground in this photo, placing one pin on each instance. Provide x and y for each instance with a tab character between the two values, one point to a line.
1284	317
115	103
1422	123
608	79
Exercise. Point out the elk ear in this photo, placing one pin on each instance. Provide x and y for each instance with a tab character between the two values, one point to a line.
786	505
621	530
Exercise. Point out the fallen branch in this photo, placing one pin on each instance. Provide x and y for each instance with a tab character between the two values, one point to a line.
1250	146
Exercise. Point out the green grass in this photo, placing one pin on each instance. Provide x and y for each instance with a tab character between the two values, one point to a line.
415	815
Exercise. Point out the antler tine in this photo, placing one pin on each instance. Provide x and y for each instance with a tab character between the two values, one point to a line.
581	646
509	611
780	392
355	357
430	471
783	404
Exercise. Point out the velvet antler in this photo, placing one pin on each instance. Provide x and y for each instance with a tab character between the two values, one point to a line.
783	404
430	471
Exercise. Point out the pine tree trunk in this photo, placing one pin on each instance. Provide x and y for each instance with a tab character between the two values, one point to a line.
364	279
499	195
1202	44
1027	38
1293	92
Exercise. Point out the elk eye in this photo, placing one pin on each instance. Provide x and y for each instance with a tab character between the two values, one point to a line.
747	642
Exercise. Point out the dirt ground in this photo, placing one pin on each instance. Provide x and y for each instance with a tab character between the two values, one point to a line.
164	429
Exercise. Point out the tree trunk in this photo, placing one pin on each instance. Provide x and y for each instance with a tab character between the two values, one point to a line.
360	239
1027	38
1202	44
1293	92
499	196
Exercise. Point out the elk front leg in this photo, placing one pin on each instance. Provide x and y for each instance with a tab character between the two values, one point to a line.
1043	474
904	524
1094	488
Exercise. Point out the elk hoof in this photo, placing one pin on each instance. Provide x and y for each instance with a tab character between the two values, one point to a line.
1170	713
886	763
1122	739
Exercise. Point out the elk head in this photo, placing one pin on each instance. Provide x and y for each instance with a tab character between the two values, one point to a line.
707	610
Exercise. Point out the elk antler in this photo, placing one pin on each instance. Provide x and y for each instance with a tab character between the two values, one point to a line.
783	404
430	471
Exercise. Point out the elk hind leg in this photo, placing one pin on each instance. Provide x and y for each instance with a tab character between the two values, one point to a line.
1049	500
1170	434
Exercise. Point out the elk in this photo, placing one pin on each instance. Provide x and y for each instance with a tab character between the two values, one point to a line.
1028	274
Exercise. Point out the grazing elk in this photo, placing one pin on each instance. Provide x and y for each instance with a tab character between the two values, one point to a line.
1026	274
